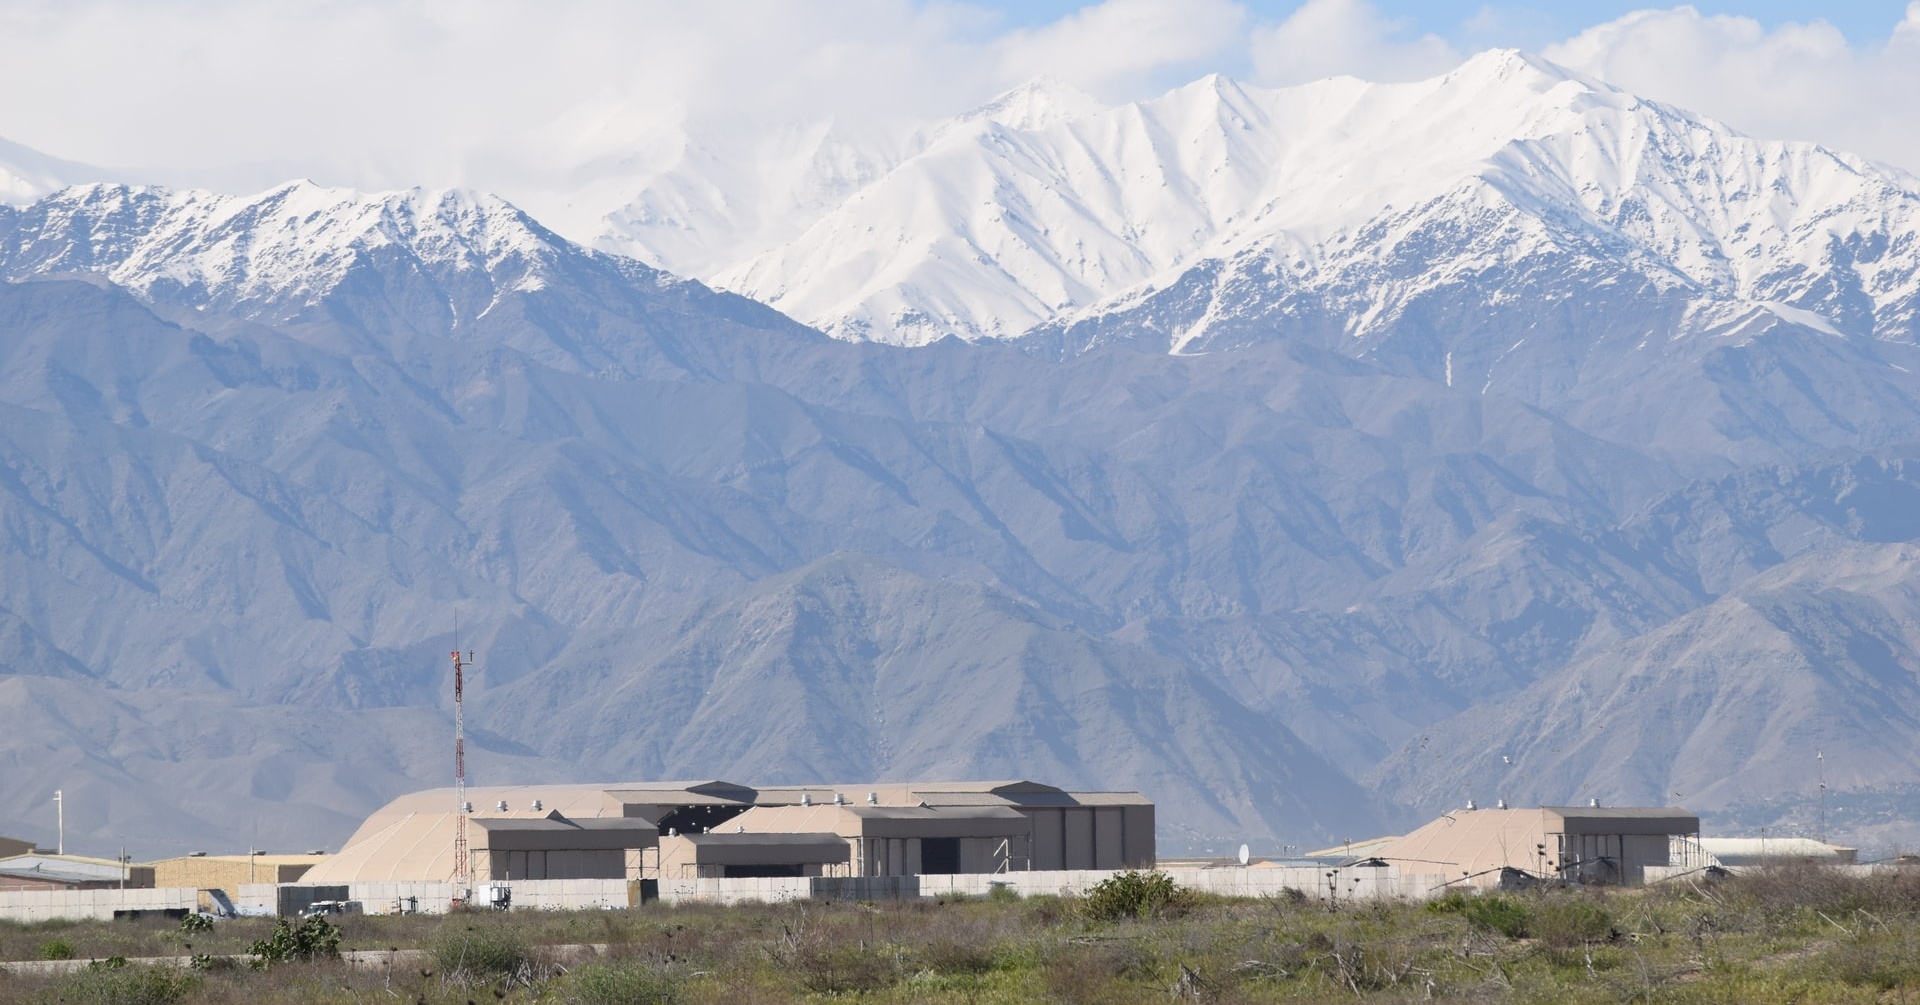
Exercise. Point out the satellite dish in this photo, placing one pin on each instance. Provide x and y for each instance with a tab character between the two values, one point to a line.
1246	855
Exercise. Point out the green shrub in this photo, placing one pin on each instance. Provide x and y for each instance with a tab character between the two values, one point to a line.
626	982
1567	921
194	924
1131	894
56	949
125	985
1490	912
307	939
1496	913
460	946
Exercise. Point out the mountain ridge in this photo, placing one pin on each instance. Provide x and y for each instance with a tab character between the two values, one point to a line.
1257	539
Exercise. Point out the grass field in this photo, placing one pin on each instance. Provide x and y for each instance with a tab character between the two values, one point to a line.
1797	935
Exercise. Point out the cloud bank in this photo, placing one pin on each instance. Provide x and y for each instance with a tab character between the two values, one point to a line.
513	96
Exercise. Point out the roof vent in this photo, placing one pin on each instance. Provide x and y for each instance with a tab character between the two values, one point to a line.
537	807
466	807
1594	803
316	851
839	800
739	828
196	854
673	832
873	799
1502	804
1470	805
805	799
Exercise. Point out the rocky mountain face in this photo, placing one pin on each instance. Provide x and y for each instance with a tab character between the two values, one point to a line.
1579	459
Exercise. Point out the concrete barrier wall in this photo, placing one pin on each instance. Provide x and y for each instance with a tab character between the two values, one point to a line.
82	905
392	898
771	890
1352	884
568	894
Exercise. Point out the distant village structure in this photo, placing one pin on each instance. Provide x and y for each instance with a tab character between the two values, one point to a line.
718	829
615	846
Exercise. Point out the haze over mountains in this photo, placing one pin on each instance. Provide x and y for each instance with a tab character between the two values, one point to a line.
1310	459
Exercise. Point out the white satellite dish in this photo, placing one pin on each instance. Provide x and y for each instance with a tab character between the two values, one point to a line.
1246	855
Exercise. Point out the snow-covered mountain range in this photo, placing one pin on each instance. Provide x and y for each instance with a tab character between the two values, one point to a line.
1312	459
992	226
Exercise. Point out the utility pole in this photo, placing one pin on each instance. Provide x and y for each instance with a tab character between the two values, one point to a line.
60	809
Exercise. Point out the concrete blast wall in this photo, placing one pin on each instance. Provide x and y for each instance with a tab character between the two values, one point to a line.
91	905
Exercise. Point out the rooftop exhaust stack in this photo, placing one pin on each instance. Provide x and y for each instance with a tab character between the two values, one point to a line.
805	799
839	800
1470	804
536	806
501	806
1593	803
873	799
1502	804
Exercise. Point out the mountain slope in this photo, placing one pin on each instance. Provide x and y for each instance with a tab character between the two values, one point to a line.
1512	459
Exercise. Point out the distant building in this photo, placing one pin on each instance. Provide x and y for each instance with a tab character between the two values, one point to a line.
229	872
41	871
1489	847
652	830
1700	852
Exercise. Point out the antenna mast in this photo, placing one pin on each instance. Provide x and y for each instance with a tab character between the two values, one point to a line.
462	873
1820	757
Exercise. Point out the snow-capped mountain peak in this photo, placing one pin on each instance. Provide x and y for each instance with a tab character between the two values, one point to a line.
991	232
1038	103
275	254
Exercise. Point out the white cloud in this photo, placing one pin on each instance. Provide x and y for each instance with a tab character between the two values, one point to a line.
1326	38
541	101
1801	81
376	93
1111	48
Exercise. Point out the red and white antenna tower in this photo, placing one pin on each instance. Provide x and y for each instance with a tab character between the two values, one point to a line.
462	874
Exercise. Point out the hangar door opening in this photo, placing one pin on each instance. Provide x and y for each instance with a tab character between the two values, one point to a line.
940	856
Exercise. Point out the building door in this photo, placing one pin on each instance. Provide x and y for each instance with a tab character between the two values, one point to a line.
940	856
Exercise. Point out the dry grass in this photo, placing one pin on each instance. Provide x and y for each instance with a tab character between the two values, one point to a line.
1804	935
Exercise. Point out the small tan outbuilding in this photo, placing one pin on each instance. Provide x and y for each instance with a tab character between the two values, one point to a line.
228	872
1481	847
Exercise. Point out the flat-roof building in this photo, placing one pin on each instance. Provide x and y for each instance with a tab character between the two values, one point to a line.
228	872
1593	844
620	830
1741	851
43	871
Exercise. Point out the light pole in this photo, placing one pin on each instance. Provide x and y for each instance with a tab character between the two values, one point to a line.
60	811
